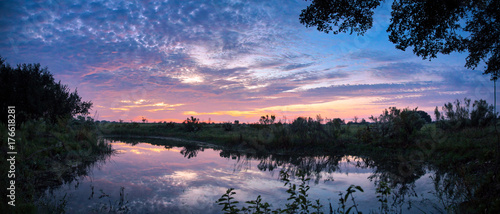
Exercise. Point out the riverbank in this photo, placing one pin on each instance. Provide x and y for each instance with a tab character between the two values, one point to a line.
47	156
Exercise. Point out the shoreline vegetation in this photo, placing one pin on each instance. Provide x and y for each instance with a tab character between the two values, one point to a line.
463	140
50	155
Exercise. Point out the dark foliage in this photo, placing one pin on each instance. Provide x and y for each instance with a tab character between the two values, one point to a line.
307	130
227	126
430	27
457	115
35	94
266	120
192	124
347	16
425	116
397	124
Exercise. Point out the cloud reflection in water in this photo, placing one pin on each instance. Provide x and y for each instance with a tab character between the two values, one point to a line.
162	180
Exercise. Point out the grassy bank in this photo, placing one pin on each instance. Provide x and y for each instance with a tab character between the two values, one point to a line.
257	137
49	155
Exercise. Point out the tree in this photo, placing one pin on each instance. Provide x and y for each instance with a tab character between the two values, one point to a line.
398	124
35	94
266	120
459	115
425	116
192	124
430	27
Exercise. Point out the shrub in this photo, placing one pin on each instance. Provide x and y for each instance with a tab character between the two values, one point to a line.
266	120
408	122
427	118
459	116
227	126
306	130
169	125
192	124
335	127
482	114
397	124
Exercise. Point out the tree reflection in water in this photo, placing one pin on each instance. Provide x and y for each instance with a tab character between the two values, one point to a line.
389	172
43	183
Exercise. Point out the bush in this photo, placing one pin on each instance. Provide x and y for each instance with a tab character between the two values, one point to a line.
459	116
192	124
335	127
482	114
408	123
169	125
306	130
266	120
227	126
398	125
427	118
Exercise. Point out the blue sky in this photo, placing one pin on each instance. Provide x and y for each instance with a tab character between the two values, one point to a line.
226	60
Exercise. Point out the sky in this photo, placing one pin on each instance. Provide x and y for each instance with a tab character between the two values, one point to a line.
226	60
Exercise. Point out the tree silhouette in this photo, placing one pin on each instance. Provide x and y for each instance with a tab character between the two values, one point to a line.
430	27
35	94
425	116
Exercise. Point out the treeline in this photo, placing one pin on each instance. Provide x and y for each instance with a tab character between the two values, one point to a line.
393	128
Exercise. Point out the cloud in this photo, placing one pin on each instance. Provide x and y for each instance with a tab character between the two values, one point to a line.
400	70
296	66
222	57
377	55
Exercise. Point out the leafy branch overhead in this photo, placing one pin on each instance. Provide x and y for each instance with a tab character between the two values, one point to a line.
430	27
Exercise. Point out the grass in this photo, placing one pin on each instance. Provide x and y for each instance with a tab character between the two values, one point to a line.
252	137
49	155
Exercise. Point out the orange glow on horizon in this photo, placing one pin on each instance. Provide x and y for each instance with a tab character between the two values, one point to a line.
345	108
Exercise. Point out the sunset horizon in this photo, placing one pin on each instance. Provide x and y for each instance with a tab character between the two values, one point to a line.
227	61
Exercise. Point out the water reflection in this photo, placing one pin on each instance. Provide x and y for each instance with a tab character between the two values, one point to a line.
176	177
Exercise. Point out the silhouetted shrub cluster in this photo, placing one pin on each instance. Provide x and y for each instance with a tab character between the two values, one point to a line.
192	124
266	120
302	132
334	127
227	126
396	124
306	130
169	125
457	115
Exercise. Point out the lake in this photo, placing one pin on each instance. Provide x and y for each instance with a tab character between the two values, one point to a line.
160	176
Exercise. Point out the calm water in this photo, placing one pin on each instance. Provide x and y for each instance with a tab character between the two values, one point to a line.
170	179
